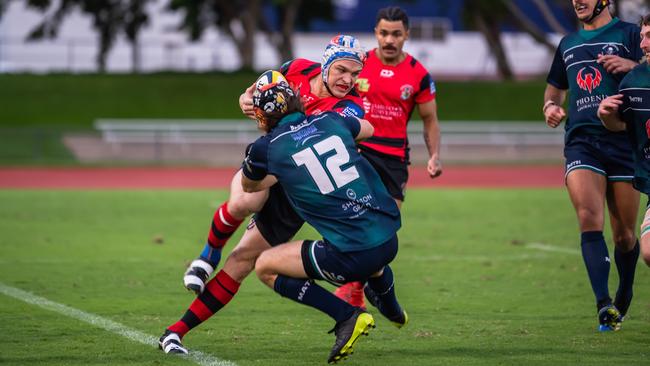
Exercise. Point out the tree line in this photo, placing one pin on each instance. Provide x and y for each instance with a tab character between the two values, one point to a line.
241	20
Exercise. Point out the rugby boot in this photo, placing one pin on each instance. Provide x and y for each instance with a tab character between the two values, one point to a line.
348	332
197	274
609	319
170	342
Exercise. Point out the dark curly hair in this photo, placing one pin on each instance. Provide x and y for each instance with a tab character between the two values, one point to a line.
393	14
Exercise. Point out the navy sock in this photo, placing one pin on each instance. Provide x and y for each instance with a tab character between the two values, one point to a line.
311	294
384	287
596	257
211	255
626	266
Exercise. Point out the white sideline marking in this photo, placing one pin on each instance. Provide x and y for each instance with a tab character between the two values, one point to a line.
477	258
198	357
551	248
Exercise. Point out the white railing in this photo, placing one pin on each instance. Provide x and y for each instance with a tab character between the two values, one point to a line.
174	131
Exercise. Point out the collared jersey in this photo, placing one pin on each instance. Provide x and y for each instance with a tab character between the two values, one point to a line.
575	68
299	72
390	94
635	111
331	186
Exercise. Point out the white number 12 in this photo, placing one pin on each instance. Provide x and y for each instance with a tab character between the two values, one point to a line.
333	164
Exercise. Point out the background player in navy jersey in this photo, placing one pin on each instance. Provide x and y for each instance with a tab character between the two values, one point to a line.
393	84
335	190
276	222
591	63
630	110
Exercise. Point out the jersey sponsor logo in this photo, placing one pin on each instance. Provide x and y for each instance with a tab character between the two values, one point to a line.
647	128
589	80
590	101
569	57
432	87
406	91
610	49
303	289
363	85
573	163
384	73
366	105
635	99
352	111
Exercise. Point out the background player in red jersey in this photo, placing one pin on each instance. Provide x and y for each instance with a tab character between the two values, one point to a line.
392	84
323	87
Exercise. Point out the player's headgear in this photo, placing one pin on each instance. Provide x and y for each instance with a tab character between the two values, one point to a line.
600	6
273	98
341	47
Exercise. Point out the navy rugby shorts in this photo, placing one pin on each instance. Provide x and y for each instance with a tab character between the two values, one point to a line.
323	261
278	221
609	155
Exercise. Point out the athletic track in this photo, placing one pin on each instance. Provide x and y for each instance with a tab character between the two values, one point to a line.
212	178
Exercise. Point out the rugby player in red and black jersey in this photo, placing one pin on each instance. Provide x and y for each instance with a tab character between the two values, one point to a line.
322	87
393	84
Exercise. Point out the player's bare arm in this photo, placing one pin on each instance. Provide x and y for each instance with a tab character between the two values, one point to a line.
554	97
608	112
429	113
615	64
251	186
366	130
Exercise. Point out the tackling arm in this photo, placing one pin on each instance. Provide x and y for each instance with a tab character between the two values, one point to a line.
429	113
366	130
250	185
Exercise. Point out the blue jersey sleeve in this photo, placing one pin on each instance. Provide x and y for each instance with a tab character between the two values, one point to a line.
623	110
352	124
635	41
557	75
255	165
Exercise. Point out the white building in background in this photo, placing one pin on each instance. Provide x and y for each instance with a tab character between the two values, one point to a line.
459	55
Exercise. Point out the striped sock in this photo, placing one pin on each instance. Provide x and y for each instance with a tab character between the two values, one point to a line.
218	292
222	228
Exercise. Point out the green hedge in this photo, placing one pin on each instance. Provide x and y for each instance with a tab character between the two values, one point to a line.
77	100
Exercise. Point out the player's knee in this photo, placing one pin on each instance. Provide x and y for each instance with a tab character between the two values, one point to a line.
625	240
237	206
589	219
262	267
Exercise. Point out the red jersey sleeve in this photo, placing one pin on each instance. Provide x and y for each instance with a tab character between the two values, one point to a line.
427	90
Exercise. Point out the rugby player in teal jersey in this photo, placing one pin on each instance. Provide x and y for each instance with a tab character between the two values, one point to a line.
332	187
630	110
590	64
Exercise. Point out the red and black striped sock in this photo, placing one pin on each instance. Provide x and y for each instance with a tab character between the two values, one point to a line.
223	226
218	292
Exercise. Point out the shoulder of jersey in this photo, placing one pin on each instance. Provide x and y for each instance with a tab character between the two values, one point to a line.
300	66
415	64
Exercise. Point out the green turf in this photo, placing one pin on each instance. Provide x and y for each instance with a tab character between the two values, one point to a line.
476	293
78	100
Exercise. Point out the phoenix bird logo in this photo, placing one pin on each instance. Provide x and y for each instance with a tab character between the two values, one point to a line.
589	81
647	128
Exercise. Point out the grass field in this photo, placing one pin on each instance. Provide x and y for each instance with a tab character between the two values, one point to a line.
489	277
